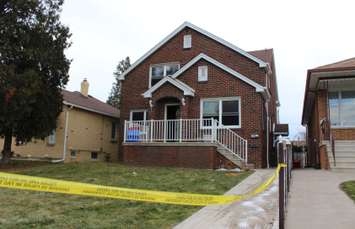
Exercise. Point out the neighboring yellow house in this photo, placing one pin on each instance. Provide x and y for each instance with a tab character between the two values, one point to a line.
87	130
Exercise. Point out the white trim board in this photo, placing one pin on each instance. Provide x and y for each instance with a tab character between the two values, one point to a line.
261	63
257	86
188	91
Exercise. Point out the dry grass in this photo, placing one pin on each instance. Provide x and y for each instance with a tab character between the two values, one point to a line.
28	209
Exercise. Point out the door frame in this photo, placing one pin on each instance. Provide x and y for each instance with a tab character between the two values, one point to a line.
166	109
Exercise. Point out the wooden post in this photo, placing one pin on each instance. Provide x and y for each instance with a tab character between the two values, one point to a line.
280	151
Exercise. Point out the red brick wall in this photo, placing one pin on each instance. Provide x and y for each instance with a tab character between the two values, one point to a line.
220	84
176	156
344	134
204	157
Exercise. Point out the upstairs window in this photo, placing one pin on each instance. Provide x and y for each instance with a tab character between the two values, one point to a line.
202	73
187	42
158	71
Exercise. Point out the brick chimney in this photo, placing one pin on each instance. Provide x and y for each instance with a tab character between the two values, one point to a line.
84	90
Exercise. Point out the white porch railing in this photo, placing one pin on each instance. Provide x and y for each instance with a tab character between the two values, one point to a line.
186	130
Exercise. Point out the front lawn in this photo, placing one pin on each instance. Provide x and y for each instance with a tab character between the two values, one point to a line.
349	188
29	209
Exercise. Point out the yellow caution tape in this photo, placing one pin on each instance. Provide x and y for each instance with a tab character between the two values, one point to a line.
24	182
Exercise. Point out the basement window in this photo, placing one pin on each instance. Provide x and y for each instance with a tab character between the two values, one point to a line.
51	138
94	156
73	153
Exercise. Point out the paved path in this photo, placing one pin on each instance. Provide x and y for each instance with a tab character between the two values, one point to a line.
317	202
258	212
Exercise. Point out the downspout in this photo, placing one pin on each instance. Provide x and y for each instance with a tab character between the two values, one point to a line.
65	137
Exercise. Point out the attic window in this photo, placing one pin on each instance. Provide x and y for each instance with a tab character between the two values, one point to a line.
202	73
187	42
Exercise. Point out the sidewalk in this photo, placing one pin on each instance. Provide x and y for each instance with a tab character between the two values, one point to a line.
254	213
316	200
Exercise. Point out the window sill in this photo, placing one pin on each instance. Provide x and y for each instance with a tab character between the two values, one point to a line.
113	141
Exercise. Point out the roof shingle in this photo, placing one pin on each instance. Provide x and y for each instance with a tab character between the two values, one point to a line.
348	63
89	103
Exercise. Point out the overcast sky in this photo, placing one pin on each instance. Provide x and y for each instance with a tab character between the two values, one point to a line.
303	34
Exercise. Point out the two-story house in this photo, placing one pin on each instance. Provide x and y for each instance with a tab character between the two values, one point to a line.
196	100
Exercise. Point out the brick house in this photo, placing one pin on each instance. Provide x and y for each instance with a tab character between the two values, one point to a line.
329	115
196	100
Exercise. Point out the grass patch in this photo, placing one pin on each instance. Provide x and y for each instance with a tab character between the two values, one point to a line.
349	188
29	209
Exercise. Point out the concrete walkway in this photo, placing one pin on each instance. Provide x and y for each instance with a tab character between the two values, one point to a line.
317	202
258	212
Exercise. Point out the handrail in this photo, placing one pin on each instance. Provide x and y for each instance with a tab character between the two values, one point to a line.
231	141
186	130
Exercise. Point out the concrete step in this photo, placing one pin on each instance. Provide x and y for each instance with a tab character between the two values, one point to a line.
341	154
231	157
342	165
342	159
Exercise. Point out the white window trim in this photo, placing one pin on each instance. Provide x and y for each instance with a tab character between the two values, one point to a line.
185	44
200	76
220	99
138	110
164	74
341	126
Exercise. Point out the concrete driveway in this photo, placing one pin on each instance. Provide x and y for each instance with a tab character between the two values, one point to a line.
316	200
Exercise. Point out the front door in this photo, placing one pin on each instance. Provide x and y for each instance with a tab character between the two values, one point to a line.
172	122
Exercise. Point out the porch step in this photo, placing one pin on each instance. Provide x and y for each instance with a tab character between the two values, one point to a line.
344	154
232	158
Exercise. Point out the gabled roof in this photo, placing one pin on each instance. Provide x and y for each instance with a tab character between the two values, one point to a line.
177	83
257	86
89	103
261	63
348	63
265	55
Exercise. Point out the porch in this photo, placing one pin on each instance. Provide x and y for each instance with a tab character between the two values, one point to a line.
184	138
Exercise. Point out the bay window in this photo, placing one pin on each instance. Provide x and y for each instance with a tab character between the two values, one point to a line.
342	108
225	110
158	71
